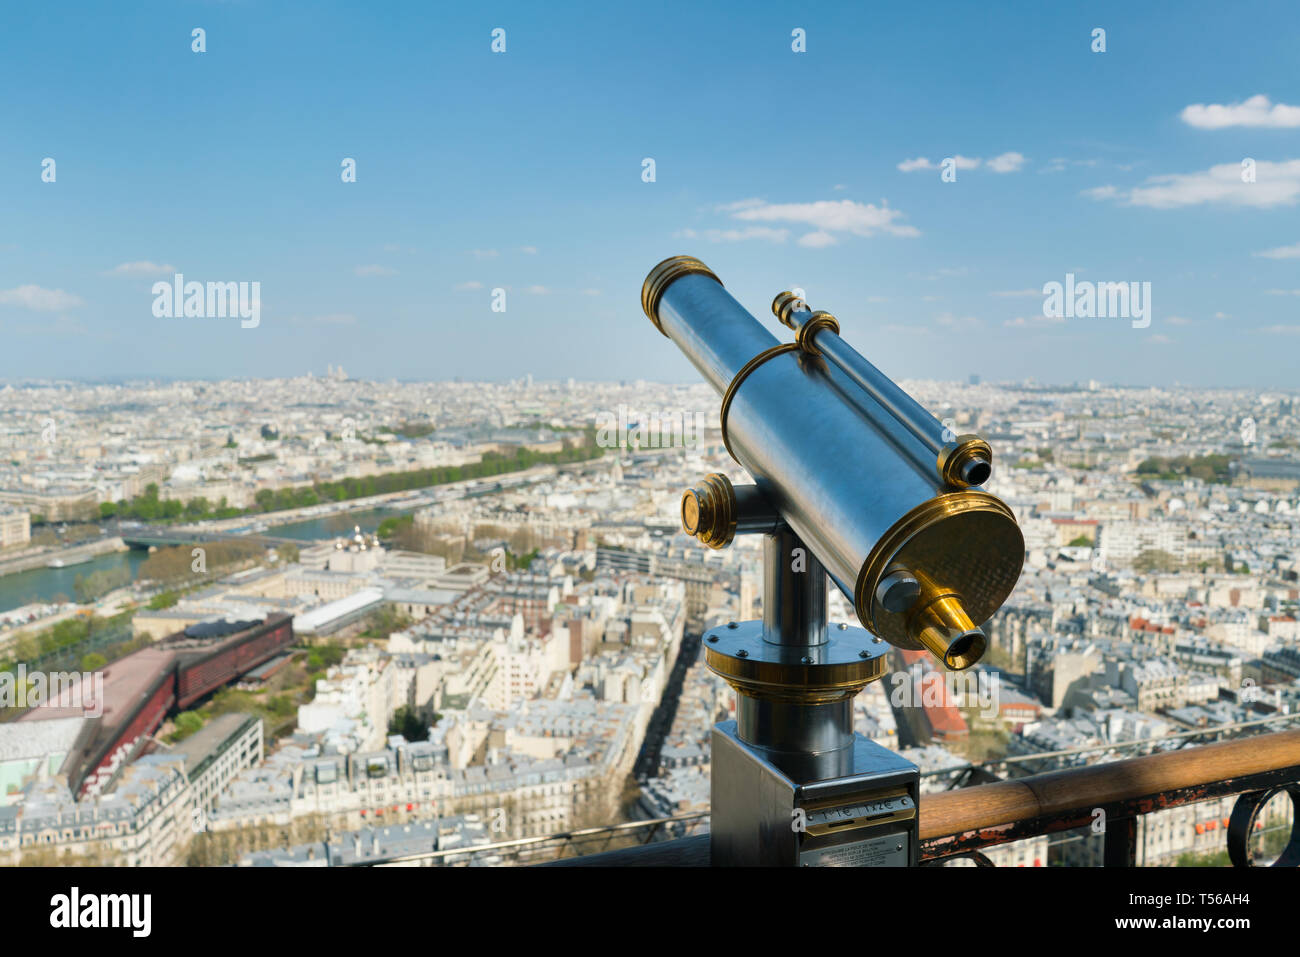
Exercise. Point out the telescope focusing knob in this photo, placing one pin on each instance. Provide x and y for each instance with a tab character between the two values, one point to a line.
966	462
709	511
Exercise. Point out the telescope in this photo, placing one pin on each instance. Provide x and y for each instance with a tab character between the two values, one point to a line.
853	480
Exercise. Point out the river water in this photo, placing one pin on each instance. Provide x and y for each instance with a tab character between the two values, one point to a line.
46	584
332	526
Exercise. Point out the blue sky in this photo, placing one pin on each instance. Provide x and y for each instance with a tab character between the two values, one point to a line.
523	170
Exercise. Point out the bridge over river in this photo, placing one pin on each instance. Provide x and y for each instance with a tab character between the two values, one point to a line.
162	536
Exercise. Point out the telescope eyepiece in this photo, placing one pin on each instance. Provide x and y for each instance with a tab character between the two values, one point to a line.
785	305
939	622
976	472
965	650
966	462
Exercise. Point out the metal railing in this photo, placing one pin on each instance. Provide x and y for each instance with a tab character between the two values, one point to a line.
978	772
553	847
963	823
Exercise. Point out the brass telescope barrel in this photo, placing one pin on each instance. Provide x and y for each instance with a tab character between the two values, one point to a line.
924	555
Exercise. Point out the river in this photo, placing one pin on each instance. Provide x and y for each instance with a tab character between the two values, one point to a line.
45	584
332	526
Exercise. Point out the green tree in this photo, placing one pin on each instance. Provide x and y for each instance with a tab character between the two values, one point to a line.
408	724
187	723
1155	560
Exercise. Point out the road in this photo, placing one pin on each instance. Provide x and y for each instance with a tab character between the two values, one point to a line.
661	722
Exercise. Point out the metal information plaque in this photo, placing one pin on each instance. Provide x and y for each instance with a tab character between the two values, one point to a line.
889	850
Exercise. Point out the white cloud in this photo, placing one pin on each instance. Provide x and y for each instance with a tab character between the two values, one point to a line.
142	268
1007	163
1159	340
817	240
472	284
1178	321
737	235
529	250
591	292
959	161
1259	110
1276	184
1282	330
839	186
539	290
829	219
483	253
1017	293
750	232
739	205
1101	192
831	216
1281	252
375	271
38	299
1283	292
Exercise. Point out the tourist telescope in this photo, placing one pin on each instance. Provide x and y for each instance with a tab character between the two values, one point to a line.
854	480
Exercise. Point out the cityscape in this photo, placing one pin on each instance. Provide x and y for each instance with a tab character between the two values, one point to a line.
505	646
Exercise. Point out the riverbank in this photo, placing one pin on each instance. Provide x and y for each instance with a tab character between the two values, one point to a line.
41	585
70	555
405	500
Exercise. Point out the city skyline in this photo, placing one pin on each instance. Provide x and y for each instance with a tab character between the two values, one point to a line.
478	171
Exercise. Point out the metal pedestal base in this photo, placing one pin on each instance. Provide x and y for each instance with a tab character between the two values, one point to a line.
863	817
792	784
